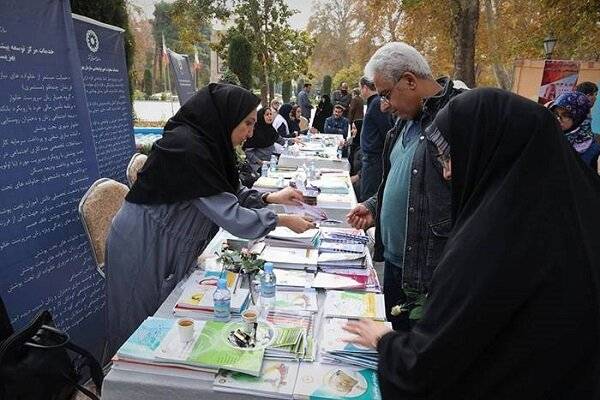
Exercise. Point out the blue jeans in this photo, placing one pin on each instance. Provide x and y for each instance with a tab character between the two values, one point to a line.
370	175
394	295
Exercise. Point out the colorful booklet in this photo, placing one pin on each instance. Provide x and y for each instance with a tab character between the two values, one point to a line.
294	301
276	380
291	258
345	304
323	381
211	348
200	297
292	279
145	340
325	280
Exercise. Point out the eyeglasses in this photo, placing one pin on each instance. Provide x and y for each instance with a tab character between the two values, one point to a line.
563	115
386	94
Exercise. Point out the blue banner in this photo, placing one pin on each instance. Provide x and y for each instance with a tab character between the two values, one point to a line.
106	83
184	82
596	115
47	162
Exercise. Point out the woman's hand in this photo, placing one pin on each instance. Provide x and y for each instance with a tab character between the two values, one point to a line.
296	223
368	332
287	195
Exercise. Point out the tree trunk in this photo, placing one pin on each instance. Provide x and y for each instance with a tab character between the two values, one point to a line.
465	17
264	84
271	90
503	79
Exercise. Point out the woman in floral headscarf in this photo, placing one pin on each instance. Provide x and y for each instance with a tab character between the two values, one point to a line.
572	110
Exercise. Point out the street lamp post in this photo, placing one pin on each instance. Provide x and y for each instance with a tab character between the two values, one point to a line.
549	43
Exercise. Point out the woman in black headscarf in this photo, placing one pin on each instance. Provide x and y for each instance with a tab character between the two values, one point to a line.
324	111
282	121
513	311
261	145
188	187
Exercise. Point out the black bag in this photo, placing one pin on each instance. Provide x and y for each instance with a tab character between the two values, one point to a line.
247	174
35	365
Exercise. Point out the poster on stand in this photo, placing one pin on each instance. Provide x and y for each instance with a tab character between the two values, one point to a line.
184	81
559	76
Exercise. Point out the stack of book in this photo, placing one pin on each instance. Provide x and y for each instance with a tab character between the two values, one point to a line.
285	237
209	348
276	380
137	353
354	305
293	280
295	302
291	258
322	381
336	348
305	321
270	183
332	185
197	301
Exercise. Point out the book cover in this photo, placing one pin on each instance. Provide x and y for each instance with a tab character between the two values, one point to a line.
292	301
146	339
321	381
334	337
211	348
200	297
325	280
282	257
345	304
293	278
276	380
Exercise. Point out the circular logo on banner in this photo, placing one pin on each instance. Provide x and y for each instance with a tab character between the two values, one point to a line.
92	41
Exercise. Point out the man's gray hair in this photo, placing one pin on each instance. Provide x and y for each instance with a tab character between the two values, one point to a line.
393	59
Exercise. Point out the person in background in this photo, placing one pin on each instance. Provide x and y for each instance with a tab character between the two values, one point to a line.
324	110
590	89
337	123
411	209
514	306
355	154
304	101
187	189
572	109
275	104
356	106
281	121
297	122
376	125
342	97
261	146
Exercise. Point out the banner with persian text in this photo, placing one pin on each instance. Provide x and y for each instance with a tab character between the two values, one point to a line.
184	81
102	56
47	162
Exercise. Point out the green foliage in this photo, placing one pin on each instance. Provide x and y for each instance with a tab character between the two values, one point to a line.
230	77
240	59
350	75
279	52
148	82
326	88
112	12
286	91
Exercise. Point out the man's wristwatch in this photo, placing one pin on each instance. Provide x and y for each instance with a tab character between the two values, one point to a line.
264	197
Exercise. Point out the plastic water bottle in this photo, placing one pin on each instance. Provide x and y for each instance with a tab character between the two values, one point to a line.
273	163
222	301
300	179
308	136
312	171
339	153
264	169
268	287
286	147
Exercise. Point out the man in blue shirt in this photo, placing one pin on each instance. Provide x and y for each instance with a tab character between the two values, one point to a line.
304	101
376	125
411	210
337	124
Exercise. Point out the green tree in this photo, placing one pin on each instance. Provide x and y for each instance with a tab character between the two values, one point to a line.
351	75
279	51
286	90
240	59
326	89
230	77
112	12
148	82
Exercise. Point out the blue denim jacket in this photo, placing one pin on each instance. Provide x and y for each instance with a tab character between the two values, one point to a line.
336	125
428	223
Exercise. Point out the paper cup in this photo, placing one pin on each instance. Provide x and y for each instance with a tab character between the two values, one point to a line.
249	317
185	327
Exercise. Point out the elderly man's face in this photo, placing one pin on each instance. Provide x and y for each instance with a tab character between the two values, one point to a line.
401	95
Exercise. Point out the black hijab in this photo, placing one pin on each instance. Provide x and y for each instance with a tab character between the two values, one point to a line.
513	310
324	111
195	157
264	134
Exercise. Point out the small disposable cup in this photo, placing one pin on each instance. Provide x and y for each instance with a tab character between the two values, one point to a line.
250	316
185	326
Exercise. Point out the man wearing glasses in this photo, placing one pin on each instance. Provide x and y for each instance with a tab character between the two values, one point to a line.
411	210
